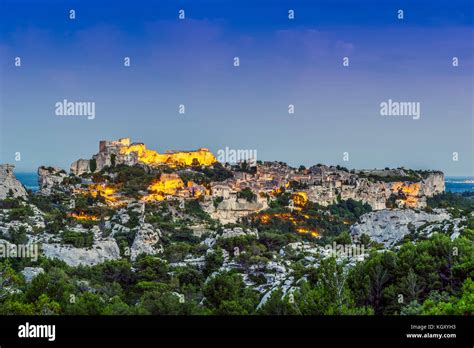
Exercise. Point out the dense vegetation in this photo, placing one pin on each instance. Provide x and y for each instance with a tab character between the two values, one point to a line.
409	175
433	276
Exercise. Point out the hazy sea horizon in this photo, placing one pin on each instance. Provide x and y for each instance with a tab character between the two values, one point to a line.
453	183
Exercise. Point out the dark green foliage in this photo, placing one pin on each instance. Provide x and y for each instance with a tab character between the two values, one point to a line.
343	238
71	180
205	175
93	165
10	203
326	294
125	240
20	213
451	200
55	221
194	208
227	295
349	209
247	194
410	175
17	235
275	240
245	167
414	271
217	201
282	200
177	251
297	185
113	159
213	261
132	179
78	239
240	242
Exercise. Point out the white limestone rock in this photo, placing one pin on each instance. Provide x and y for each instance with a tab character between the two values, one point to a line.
50	178
9	184
80	167
237	232
390	226
231	209
31	272
145	241
101	250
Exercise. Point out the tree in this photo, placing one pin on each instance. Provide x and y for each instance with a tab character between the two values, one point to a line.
369	280
213	261
463	305
226	294
151	268
410	287
344	238
167	303
54	283
86	303
93	165
45	306
330	295
8	279
278	304
248	194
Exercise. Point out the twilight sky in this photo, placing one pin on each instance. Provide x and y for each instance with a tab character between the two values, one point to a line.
282	62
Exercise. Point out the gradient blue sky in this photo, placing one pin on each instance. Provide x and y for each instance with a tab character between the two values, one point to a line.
283	62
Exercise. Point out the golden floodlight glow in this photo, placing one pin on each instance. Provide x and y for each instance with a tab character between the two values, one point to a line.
304	230
265	219
411	192
202	157
300	198
83	216
167	185
107	192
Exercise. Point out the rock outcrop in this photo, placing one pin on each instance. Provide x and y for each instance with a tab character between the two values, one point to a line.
145	241
31	272
50	178
101	251
377	194
238	232
80	167
390	226
9	185
230	210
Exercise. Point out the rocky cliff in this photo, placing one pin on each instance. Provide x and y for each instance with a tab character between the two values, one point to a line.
389	226
80	166
49	178
231	209
9	185
102	250
379	193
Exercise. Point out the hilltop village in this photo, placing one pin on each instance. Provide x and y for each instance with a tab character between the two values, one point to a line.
271	224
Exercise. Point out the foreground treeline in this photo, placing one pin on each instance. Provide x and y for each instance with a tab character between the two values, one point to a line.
432	276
